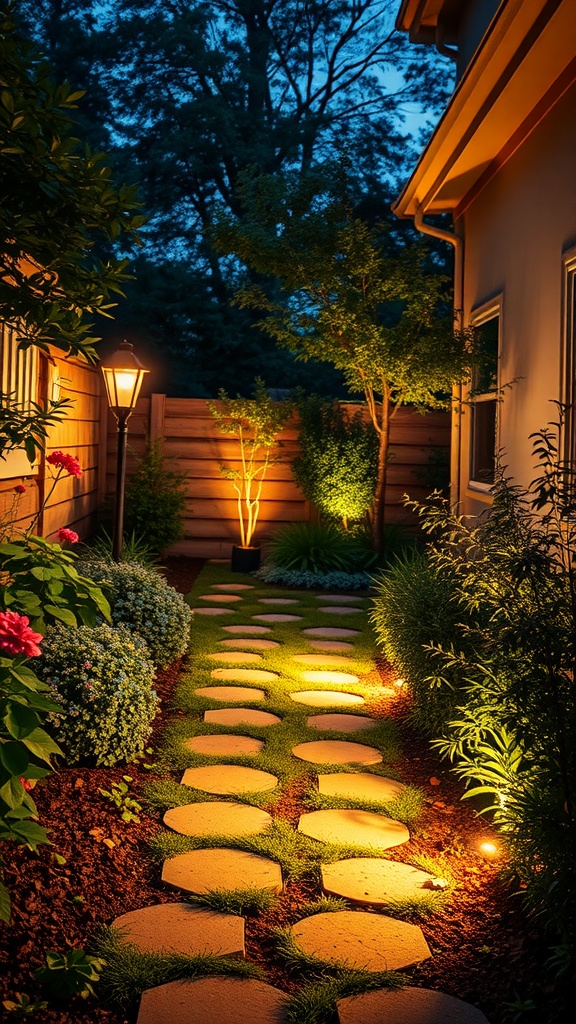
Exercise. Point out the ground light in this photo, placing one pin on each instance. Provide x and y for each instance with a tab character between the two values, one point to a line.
123	376
489	851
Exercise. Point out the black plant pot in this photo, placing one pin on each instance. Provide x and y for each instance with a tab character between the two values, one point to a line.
245	559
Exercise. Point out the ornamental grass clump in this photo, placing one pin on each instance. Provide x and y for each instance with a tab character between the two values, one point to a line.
141	600
101	678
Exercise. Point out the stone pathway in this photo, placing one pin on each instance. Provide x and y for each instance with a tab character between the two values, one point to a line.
355	938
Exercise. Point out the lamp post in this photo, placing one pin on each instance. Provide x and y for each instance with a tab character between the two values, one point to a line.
123	375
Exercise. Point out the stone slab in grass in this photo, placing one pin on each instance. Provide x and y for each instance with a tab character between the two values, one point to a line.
241	716
340	598
248	630
235	657
327	632
359	786
220	598
276	617
255	643
180	928
217	818
243	675
233	693
407	1006
330	676
229	779
331	645
336	752
362	941
326	698
330	660
339	609
373	881
224	745
354	827
200	871
340	723
277	600
231	586
213	611
213	1001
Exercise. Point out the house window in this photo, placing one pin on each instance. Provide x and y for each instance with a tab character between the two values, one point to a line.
568	382
484	403
18	385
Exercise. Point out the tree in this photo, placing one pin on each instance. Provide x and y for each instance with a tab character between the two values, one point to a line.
383	320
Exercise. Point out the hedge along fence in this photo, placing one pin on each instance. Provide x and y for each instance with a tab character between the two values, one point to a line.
190	436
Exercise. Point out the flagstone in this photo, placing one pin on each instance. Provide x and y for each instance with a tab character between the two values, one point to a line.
241	716
211	1000
374	881
277	600
180	928
407	1006
256	644
243	675
235	657
336	752
326	698
331	645
330	660
233	693
229	779
354	827
360	786
362	941
224	745
340	723
217	869
220	598
339	609
232	586
328	632
276	617
330	676
217	818
340	598
213	611
250	630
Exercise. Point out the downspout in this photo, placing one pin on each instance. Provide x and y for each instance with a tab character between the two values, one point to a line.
456	438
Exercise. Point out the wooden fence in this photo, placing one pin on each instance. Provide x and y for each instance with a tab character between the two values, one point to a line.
197	448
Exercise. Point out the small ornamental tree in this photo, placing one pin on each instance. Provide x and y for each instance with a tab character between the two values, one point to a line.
254	423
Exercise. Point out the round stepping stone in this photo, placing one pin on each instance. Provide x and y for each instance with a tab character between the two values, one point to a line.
220	598
336	752
226	1000
340	723
232	693
240	716
359	786
276	617
378	882
340	598
336	678
339	609
333	660
255	644
362	941
327	632
250	630
354	827
235	657
326	698
231	586
200	871
180	928
217	818
243	675
331	645
277	600
229	779
224	745
213	611
407	1006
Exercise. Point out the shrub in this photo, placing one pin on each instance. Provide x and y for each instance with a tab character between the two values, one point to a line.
155	501
317	548
300	578
141	600
102	679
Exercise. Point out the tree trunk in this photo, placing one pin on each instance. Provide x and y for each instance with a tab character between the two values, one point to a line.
378	518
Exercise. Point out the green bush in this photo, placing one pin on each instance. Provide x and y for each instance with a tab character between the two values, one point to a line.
154	501
102	679
141	600
314	580
337	466
318	548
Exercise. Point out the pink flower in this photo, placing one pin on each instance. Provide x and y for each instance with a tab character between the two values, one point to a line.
67	535
67	462
16	637
20	489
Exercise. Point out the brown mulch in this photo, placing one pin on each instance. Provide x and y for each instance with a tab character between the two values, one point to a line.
484	951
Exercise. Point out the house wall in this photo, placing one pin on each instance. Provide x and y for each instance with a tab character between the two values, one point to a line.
191	437
516	232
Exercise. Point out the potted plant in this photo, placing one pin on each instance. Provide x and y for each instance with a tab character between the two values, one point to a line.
254	423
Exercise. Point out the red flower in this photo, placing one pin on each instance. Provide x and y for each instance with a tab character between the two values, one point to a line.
26	784
16	637
20	489
67	462
67	535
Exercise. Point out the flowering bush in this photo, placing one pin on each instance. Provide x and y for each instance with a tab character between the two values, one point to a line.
16	637
141	599
101	678
64	535
66	462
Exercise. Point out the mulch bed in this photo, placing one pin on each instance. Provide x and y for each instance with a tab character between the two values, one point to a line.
483	949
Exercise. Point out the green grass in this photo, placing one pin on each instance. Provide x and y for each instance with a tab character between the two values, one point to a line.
315	1003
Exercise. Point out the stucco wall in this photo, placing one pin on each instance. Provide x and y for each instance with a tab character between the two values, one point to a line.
516	232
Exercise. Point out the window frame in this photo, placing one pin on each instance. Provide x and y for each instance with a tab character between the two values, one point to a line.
480	315
567	388
19	375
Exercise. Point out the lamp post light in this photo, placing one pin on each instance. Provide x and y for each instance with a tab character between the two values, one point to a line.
123	375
